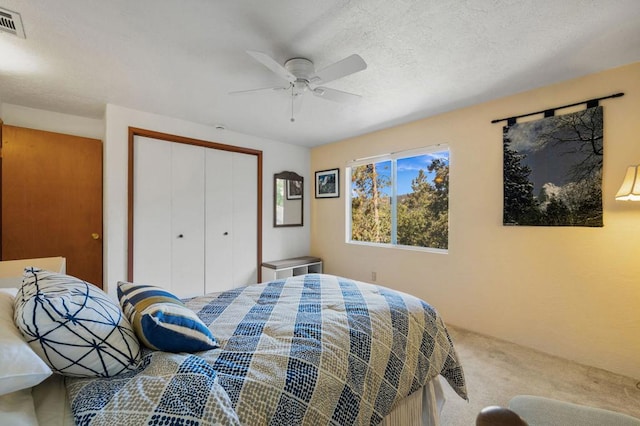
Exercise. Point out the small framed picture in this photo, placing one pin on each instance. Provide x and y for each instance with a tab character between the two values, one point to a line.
294	189
328	183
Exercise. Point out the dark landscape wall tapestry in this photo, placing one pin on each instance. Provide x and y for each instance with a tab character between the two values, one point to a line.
553	170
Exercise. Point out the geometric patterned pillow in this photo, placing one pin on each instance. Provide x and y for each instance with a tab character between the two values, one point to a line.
74	326
161	321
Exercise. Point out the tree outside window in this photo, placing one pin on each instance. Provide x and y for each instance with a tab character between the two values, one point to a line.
401	200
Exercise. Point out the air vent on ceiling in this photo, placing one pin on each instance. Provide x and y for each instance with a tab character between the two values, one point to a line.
11	22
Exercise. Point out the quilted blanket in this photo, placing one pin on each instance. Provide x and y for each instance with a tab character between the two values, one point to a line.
309	350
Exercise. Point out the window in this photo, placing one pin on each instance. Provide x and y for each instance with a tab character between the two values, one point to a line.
400	199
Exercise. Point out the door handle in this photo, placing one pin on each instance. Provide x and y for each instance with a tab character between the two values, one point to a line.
95	236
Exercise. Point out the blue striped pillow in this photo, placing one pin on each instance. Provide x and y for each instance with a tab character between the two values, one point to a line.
161	321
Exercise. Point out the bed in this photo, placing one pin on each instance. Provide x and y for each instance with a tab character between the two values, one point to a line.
312	349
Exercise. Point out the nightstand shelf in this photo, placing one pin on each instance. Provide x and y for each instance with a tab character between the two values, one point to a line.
285	268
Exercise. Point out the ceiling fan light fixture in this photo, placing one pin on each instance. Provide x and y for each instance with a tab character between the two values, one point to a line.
299	86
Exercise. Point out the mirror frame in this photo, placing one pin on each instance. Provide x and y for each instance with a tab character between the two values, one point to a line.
287	176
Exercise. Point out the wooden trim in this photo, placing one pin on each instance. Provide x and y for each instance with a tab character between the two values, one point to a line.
134	131
259	254
130	168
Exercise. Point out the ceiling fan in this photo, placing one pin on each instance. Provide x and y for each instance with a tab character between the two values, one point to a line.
302	77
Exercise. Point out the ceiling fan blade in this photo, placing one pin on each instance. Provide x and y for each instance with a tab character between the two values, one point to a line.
264	89
342	68
336	95
274	66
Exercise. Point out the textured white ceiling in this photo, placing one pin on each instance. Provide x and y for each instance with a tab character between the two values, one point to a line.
181	58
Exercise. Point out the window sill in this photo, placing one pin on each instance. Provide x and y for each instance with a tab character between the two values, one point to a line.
399	247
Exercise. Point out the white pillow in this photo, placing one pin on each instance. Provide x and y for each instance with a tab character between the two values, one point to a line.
18	408
20	367
74	326
51	402
10	282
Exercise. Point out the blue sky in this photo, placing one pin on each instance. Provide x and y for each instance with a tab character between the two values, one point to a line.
408	170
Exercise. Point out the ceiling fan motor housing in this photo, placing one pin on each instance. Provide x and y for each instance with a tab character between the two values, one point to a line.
302	68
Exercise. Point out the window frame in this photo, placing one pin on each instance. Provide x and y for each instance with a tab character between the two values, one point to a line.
393	157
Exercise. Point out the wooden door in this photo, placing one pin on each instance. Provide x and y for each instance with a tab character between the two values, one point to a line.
52	199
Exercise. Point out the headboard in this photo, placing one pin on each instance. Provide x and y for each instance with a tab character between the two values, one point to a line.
11	270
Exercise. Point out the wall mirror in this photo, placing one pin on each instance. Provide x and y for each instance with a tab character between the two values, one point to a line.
288	196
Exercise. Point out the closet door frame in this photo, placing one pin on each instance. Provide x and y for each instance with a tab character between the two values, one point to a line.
134	131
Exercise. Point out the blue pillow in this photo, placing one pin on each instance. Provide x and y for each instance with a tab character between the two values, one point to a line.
161	321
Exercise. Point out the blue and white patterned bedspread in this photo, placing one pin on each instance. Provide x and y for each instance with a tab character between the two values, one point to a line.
309	350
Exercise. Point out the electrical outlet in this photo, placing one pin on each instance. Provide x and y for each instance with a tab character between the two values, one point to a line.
374	276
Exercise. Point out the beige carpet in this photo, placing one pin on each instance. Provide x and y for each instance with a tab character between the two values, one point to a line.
496	371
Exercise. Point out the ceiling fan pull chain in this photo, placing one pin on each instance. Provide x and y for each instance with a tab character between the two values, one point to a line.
292	96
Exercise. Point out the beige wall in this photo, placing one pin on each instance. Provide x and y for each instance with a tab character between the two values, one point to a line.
569	291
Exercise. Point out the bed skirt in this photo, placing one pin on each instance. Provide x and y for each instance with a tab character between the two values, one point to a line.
422	408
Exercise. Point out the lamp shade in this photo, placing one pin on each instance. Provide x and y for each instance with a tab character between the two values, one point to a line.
630	189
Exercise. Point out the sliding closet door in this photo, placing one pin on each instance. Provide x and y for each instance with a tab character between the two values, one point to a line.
152	212
219	233
187	226
169	216
231	223
195	216
245	223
